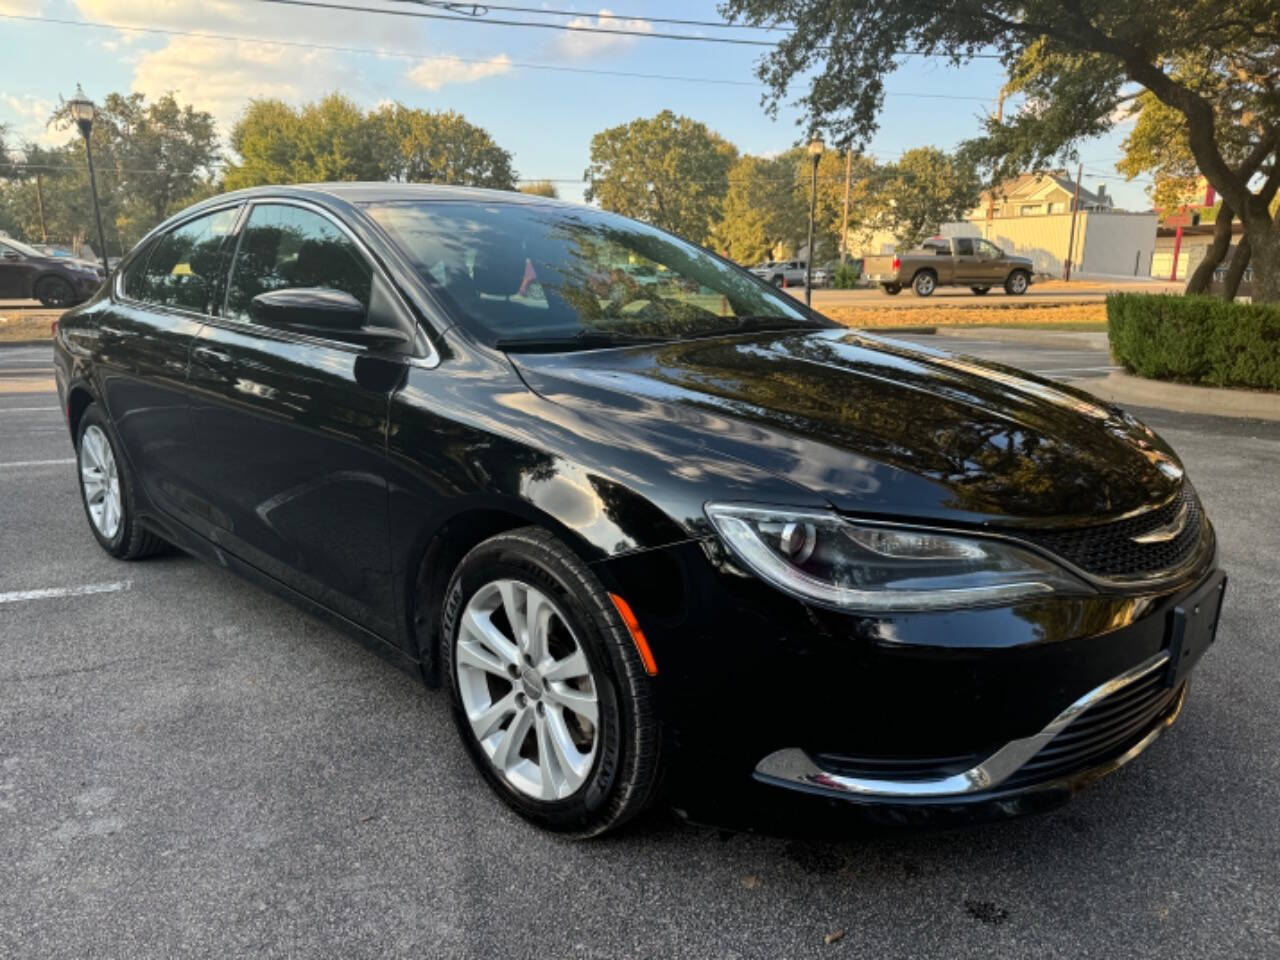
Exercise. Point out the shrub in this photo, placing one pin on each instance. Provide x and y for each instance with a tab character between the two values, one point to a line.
846	276
1196	339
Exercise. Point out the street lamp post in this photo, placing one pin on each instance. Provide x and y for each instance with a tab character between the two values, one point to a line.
82	111
815	151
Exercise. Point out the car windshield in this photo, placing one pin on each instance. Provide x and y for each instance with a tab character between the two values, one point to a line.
22	248
546	276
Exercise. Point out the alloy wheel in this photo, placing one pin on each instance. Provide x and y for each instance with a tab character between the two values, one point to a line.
100	481
527	689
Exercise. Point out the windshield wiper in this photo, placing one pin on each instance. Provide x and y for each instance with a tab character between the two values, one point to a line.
582	340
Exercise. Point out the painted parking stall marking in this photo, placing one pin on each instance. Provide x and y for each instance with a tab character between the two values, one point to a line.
53	593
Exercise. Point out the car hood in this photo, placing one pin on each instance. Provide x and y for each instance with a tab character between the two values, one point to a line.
877	427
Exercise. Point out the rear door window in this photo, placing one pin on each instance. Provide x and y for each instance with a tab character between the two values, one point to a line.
283	246
186	265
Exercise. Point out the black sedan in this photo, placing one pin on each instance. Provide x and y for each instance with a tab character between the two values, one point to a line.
637	511
28	274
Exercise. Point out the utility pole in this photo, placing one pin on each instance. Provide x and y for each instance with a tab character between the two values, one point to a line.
844	228
991	191
1071	236
44	234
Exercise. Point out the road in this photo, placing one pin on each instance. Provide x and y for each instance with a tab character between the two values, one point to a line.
1052	292
191	767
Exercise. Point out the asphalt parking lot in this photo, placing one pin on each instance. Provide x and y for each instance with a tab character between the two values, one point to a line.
191	767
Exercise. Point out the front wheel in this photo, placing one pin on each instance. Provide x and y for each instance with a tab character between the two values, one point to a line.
1017	283
550	694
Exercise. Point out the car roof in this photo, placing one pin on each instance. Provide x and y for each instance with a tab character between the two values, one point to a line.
380	192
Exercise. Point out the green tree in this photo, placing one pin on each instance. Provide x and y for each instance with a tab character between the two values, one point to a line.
333	139
923	190
762	209
1076	62
540	188
151	159
668	170
440	147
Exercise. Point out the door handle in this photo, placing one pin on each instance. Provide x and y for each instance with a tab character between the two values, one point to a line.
211	355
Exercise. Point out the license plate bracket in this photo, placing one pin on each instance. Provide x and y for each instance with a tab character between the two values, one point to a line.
1193	625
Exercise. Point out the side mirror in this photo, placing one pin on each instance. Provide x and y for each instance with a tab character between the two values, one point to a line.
320	312
10	255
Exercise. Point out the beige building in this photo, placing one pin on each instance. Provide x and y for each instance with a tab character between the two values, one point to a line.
1037	194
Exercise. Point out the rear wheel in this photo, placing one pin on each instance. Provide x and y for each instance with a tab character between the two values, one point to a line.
892	289
107	491
980	291
549	692
1017	283
924	284
54	292
778	281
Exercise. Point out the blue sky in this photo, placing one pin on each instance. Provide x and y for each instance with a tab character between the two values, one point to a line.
545	117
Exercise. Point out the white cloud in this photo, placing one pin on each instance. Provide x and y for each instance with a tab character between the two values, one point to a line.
26	117
222	77
579	44
21	8
442	71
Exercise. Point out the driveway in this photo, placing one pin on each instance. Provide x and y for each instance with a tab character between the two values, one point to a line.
192	767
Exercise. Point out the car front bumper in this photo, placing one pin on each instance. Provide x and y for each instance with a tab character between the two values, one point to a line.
997	707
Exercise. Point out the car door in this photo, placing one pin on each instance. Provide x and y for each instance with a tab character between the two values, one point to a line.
145	333
292	427
968	269
16	274
991	263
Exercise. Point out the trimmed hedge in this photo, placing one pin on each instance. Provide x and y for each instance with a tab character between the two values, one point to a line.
1196	339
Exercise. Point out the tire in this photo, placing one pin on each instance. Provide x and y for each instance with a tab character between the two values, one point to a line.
589	791
980	291
778	281
1017	283
925	283
892	289
110	502
54	292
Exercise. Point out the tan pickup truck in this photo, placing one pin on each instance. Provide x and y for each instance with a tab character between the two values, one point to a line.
950	262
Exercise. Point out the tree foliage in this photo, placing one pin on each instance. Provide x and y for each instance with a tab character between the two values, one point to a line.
923	190
151	159
668	170
334	139
1076	63
540	188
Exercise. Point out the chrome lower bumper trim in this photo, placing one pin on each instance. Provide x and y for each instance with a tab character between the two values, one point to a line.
793	766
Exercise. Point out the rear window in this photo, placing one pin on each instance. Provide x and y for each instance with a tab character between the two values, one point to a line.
185	266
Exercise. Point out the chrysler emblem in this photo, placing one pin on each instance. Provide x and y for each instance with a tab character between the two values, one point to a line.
1165	533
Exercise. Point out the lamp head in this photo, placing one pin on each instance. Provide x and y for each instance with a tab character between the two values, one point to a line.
82	111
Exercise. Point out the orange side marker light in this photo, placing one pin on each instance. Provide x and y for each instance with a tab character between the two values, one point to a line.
637	635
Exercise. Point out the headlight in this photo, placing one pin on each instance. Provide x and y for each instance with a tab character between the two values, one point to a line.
824	558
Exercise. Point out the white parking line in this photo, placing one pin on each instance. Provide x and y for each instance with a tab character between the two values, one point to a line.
37	463
50	593
27	409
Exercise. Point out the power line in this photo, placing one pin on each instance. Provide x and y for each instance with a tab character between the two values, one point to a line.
649	34
374	51
544	11
235	38
573	28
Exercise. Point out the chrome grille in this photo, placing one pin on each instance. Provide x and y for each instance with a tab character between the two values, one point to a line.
1103	732
1109	550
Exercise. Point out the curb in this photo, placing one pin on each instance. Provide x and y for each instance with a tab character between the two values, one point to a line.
1128	390
26	343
